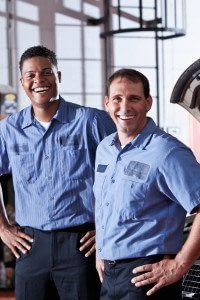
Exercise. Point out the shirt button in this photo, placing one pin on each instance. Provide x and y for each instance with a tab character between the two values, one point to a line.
119	158
113	180
49	177
99	249
107	203
46	156
102	227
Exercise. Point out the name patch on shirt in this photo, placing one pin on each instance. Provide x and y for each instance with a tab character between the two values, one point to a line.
71	141
101	168
20	148
138	169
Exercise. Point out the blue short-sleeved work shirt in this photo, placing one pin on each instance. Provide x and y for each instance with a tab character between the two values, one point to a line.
53	169
142	194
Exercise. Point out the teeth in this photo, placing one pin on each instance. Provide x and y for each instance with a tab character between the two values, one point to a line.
41	89
126	117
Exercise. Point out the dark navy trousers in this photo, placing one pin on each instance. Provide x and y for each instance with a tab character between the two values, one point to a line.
117	282
55	269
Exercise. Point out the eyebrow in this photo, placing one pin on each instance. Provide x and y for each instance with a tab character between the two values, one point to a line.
132	95
36	71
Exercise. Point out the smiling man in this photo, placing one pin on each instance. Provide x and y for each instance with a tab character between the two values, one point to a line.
145	182
49	147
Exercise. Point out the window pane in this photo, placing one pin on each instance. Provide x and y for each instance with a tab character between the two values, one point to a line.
65	20
92	43
94	101
27	36
72	4
93	76
3	5
71	48
71	76
27	10
136	51
91	10
3	53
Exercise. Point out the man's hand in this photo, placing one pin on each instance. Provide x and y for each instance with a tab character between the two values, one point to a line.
88	243
15	239
162	273
100	268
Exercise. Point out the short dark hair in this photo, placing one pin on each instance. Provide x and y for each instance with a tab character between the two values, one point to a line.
38	51
132	75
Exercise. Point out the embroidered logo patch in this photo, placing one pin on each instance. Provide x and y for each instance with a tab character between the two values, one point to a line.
20	148
71	141
137	169
101	168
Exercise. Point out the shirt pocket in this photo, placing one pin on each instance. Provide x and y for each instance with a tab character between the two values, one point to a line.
24	169
73	163
132	194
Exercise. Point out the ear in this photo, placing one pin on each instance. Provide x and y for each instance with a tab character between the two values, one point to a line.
59	76
21	81
106	100
149	101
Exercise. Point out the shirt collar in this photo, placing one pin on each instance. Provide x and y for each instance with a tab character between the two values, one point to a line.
28	117
62	113
143	138
59	116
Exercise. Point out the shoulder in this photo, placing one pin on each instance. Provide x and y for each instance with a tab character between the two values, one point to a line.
15	118
173	154
106	142
89	113
79	109
166	141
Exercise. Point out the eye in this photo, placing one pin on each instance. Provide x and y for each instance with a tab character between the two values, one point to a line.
134	99
117	99
29	75
47	72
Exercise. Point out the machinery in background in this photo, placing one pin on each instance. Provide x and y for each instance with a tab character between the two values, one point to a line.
8	101
186	93
191	281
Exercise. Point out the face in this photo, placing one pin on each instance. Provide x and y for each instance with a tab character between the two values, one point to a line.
40	80
127	106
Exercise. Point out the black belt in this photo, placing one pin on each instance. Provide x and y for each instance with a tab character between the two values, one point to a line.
74	229
128	260
119	261
79	228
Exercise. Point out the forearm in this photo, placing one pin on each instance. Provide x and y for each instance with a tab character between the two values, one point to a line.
191	248
169	270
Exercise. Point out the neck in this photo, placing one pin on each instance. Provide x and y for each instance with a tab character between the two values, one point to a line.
45	114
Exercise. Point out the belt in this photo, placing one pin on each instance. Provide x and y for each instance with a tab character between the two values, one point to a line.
128	260
119	261
74	229
78	228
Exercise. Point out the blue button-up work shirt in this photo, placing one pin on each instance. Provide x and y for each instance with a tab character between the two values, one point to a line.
142	194
53	170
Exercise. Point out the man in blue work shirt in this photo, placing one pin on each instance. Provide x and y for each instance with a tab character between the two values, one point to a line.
50	149
145	181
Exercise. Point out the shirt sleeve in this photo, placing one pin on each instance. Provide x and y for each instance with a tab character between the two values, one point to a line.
102	125
179	178
4	160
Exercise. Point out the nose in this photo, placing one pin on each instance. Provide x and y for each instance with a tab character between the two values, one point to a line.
38	77
125	106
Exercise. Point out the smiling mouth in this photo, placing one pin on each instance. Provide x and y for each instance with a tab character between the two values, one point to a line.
41	89
125	117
